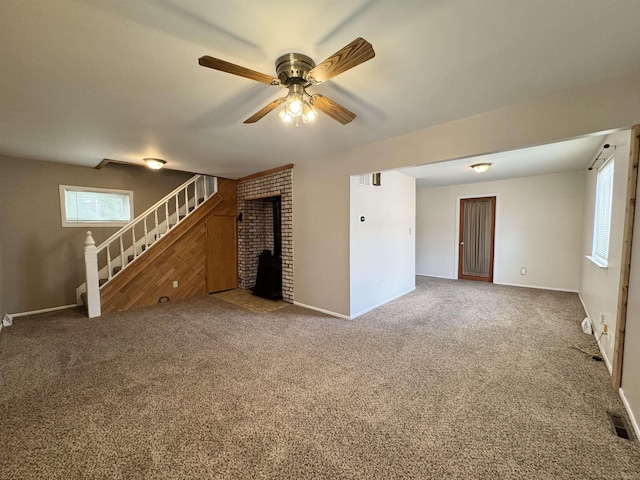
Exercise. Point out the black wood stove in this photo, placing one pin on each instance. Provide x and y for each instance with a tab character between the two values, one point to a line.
269	277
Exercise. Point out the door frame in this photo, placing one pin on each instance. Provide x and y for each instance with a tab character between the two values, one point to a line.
496	224
625	264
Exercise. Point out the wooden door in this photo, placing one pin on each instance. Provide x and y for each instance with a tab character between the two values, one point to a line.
477	238
222	253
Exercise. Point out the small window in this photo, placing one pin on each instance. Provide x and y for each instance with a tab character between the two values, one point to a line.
98	207
602	219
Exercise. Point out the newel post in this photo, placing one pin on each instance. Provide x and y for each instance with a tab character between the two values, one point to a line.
93	283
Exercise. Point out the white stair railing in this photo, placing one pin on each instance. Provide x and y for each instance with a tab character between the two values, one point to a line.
130	242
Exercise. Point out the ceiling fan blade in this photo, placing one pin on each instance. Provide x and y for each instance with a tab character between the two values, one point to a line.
264	110
233	69
349	56
333	109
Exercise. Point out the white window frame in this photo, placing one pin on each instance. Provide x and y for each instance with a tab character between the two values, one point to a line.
602	214
102	223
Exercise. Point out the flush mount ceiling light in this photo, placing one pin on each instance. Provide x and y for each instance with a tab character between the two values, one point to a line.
481	167
154	163
296	72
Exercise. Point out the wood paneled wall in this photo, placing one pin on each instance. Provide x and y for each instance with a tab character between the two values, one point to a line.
179	256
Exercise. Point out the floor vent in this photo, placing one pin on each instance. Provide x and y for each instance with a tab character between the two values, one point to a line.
619	424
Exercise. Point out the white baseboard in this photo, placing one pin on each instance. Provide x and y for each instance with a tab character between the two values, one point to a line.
632	417
538	287
7	320
322	310
505	283
586	312
368	309
603	354
435	276
347	317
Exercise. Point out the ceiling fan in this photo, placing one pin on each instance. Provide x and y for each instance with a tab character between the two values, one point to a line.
296	72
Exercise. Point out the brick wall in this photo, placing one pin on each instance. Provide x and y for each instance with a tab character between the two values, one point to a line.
255	231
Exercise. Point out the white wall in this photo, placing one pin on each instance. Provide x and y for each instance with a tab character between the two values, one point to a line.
382	248
537	224
599	286
321	186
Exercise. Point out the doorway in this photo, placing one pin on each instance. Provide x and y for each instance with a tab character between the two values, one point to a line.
221	253
477	238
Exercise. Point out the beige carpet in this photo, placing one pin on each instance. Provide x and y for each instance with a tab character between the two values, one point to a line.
457	380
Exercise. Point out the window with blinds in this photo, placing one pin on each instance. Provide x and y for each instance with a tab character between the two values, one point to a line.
98	207
602	219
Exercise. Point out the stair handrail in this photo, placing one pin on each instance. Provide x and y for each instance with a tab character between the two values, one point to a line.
151	209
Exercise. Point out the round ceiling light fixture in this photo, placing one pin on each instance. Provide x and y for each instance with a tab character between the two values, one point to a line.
481	167
154	163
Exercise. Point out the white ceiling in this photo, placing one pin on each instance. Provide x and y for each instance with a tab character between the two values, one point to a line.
558	157
87	79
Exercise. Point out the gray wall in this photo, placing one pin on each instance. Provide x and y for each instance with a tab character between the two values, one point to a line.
41	263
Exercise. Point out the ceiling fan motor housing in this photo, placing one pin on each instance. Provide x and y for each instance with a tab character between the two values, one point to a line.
294	68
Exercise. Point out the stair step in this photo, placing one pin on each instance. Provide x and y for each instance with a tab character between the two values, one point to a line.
102	281
130	258
181	216
116	270
200	200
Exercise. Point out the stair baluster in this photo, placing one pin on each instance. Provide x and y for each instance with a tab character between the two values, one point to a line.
122	264
177	209
109	271
146	233
133	240
166	215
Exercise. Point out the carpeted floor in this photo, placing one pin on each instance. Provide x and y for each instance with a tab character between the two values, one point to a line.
457	380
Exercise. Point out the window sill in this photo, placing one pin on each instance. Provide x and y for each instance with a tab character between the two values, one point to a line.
94	224
598	263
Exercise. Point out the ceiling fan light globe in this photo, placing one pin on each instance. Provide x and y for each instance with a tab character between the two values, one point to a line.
295	107
285	115
308	113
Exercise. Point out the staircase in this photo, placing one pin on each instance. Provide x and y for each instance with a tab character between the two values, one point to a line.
124	249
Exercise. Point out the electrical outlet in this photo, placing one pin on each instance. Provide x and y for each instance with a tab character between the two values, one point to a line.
523	270
175	284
